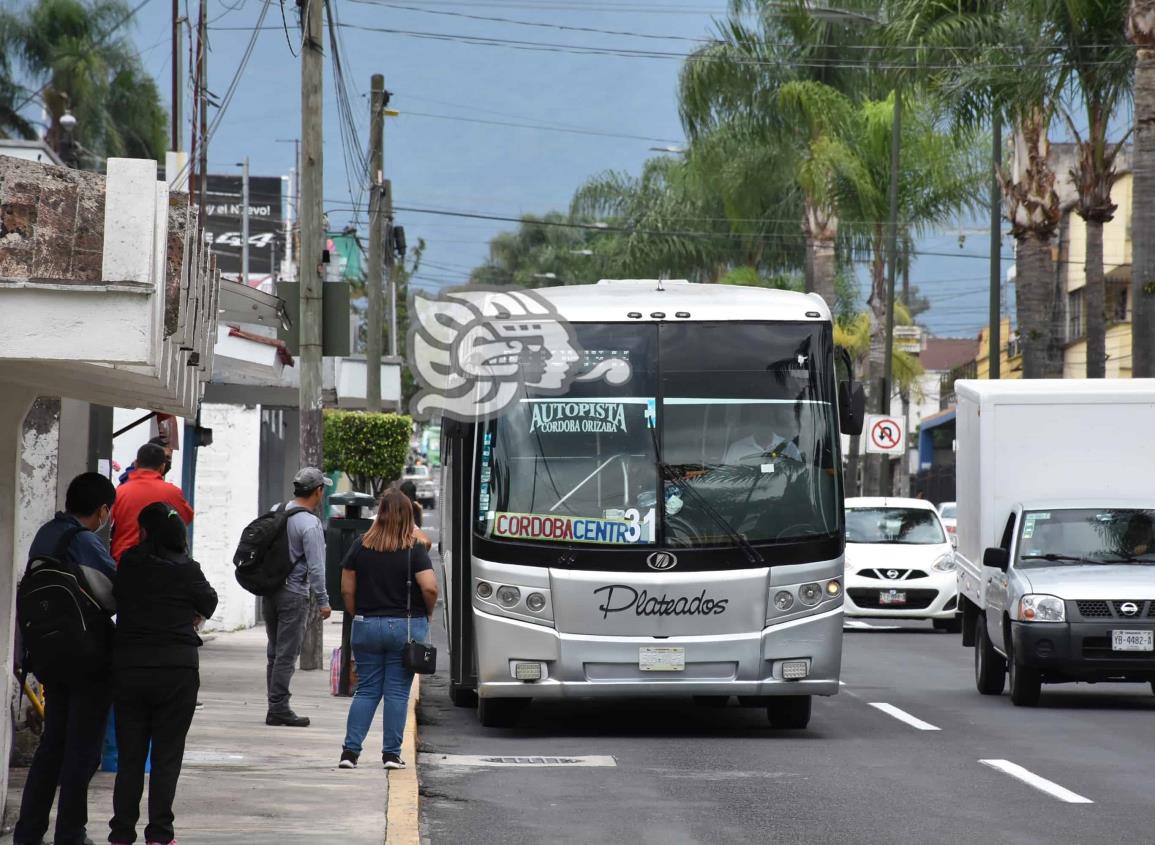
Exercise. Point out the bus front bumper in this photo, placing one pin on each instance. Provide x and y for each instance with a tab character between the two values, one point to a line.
583	666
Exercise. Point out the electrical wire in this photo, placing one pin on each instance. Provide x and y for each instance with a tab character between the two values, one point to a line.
543	128
356	161
285	26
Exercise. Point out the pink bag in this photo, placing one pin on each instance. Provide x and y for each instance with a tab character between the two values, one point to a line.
335	671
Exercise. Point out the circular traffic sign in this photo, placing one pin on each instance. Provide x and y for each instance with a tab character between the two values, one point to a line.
885	434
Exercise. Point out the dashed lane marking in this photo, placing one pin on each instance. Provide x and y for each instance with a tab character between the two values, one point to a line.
477	761
1040	783
903	716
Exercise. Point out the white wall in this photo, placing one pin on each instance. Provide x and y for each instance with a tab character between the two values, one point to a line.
227	489
38	473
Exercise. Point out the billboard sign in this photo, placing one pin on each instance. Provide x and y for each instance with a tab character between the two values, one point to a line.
223	216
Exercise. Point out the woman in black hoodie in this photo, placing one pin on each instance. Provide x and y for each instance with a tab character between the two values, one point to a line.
161	595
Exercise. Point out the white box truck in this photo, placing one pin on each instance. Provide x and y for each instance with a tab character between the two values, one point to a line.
1056	512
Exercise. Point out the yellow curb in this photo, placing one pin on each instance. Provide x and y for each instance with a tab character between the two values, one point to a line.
401	815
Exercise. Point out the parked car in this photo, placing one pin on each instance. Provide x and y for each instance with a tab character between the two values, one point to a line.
900	562
422	478
948	513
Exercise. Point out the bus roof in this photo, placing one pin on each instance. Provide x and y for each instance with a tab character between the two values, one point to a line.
612	301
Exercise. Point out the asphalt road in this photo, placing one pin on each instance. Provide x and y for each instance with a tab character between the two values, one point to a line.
860	774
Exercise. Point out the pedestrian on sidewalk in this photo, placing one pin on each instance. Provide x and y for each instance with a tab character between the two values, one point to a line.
75	701
161	596
287	609
162	442
389	588
145	486
410	491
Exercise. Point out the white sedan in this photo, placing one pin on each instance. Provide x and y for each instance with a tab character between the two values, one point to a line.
948	512
899	562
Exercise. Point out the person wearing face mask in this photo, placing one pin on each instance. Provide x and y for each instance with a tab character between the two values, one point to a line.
76	700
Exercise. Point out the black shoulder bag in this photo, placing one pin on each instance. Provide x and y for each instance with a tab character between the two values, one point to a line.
419	658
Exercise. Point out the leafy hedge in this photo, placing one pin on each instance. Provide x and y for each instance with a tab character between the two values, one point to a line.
369	448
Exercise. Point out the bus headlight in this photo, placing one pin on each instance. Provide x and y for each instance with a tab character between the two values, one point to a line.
784	600
810	594
1040	608
833	588
484	589
508	596
535	602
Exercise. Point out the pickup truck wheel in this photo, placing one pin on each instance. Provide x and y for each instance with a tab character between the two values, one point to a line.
1026	684
789	712
951	626
990	667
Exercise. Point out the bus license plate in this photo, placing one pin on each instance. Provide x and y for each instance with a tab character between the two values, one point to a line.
662	659
1132	641
892	597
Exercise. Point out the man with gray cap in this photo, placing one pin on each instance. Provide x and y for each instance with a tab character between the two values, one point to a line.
286	610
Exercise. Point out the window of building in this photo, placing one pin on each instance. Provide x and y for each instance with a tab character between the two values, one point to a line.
1117	300
1075	325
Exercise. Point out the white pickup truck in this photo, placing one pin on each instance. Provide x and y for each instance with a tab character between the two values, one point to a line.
1056	517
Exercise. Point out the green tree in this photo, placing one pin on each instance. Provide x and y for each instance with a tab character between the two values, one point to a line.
1102	64
74	55
1140	29
369	448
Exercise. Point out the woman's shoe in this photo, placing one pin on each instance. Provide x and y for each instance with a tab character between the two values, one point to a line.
392	761
348	759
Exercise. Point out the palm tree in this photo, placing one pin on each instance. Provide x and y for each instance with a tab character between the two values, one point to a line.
12	123
776	80
1094	45
1140	30
989	55
72	54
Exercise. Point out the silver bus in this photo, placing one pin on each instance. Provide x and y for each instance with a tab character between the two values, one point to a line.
670	527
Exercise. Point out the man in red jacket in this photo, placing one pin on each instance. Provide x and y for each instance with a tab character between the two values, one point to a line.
145	486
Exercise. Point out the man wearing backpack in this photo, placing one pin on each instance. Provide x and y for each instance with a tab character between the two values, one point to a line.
286	609
64	605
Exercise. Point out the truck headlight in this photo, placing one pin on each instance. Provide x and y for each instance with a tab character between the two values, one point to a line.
1040	608
946	563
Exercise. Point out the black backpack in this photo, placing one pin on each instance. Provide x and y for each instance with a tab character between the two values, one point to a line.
262	558
64	629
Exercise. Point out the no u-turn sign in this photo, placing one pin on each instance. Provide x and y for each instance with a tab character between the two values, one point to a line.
884	435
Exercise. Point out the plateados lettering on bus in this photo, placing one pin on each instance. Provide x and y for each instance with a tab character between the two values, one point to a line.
643	604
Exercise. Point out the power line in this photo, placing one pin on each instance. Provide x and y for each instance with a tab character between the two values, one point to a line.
543	128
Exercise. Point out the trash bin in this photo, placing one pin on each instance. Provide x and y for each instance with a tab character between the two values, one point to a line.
339	537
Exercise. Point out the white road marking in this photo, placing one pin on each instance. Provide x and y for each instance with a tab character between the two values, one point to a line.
474	761
866	626
903	716
1040	783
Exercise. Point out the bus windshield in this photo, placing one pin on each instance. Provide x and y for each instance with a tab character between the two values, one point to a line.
723	433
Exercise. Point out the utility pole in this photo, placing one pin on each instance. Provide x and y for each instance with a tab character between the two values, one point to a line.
176	90
891	272
312	235
245	221
203	73
377	224
994	341
390	268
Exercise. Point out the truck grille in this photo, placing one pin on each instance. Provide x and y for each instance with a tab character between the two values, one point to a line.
867	599
1097	609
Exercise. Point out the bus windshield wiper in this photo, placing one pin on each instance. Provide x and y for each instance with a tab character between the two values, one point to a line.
672	473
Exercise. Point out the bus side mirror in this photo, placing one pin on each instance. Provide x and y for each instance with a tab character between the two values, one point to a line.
997	558
851	407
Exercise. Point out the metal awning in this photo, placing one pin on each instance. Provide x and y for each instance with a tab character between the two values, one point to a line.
240	303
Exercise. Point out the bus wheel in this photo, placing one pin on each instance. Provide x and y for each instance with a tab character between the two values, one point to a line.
712	701
789	712
500	712
462	696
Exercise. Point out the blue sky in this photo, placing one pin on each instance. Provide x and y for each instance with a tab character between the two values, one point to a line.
440	156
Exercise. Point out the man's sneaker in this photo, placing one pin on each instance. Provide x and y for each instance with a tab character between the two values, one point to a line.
348	759
287	719
392	761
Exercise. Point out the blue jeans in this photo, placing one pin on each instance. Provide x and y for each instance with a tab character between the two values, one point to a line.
377	645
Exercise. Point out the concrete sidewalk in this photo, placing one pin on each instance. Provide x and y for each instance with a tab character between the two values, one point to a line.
246	782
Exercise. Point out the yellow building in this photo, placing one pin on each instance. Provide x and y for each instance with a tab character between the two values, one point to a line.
1010	365
1117	267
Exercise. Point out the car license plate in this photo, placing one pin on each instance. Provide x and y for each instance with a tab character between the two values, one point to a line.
662	659
892	597
1133	641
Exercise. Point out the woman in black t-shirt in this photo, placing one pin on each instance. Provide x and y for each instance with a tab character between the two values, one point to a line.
389	588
